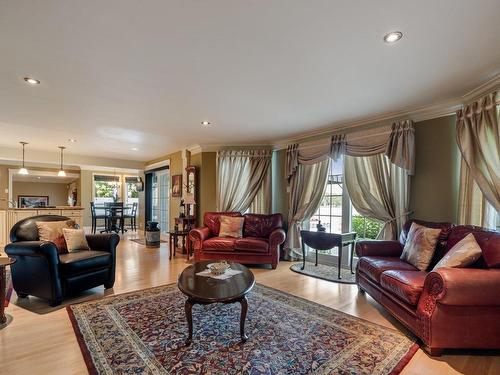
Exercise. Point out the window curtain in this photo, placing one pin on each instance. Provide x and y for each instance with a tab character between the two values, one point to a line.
243	180
478	139
380	190
307	173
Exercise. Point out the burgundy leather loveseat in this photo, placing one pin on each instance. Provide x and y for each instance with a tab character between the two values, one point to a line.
446	308
262	236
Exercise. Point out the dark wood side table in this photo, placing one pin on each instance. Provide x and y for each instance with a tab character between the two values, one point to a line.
321	241
4	262
173	237
186	222
205	290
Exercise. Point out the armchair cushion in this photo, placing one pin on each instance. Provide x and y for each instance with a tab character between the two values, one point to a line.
53	231
80	261
75	239
373	267
406	285
261	226
251	244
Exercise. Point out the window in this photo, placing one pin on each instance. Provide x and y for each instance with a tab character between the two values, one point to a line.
131	193
106	188
336	213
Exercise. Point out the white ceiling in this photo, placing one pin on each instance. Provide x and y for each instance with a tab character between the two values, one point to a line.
118	74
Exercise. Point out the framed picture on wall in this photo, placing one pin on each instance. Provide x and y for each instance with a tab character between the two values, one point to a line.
32	201
177	185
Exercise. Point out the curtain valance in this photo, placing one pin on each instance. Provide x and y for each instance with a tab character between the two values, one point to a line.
398	144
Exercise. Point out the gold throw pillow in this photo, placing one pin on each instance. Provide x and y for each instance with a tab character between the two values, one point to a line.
231	226
463	254
52	231
75	239
420	246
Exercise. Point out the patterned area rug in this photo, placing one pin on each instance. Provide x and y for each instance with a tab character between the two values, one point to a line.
143	332
325	272
8	287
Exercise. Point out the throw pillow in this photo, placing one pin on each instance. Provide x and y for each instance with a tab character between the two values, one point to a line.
420	246
463	254
231	226
75	239
52	231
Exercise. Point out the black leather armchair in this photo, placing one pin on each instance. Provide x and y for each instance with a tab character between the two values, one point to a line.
42	272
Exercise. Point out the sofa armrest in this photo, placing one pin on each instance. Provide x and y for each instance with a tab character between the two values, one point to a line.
464	286
277	237
45	249
378	248
103	242
198	235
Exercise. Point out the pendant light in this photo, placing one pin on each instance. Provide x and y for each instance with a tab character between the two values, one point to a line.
61	172
23	169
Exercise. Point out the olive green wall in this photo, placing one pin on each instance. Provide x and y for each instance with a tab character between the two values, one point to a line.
280	196
206	164
434	187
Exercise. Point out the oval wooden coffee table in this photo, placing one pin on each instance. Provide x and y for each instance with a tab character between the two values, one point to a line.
205	290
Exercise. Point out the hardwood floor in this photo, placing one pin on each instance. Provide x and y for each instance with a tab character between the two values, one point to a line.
40	340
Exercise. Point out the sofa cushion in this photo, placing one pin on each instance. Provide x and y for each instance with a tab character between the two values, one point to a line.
211	220
488	241
420	246
373	267
406	285
219	244
251	244
463	254
79	261
261	226
231	226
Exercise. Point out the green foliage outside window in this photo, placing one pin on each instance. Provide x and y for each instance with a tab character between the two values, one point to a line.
365	227
132	191
104	189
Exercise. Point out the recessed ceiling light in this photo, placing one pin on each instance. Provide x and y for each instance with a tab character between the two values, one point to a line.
32	81
393	36
72	140
134	149
205	123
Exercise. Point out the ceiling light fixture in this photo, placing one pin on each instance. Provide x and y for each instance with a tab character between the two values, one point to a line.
205	123
393	36
61	172
32	81
23	169
134	149
71	140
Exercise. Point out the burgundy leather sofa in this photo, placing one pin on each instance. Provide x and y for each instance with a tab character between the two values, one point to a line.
262	236
446	308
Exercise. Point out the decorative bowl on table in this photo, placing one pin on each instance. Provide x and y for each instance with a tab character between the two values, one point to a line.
218	268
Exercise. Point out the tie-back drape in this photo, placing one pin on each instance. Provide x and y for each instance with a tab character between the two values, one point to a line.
389	201
478	138
243	180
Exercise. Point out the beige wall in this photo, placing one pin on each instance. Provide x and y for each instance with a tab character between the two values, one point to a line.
434	188
57	193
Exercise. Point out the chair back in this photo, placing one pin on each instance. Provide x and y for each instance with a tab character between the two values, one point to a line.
320	240
92	209
26	229
133	212
115	210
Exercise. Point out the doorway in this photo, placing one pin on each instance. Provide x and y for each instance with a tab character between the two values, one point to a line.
158	198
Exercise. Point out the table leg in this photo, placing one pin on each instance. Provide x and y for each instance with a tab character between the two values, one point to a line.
244	309
352	256
188	308
3	318
169	246
340	260
183	243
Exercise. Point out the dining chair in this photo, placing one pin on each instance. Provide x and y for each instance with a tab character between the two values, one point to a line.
96	217
132	216
115	219
323	241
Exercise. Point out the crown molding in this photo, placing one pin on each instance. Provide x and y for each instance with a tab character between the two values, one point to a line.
444	108
194	149
197	148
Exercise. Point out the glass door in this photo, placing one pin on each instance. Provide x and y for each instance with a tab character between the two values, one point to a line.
159	199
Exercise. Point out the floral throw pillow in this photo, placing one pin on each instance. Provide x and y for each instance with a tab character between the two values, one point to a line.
52	231
420	246
231	226
463	254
